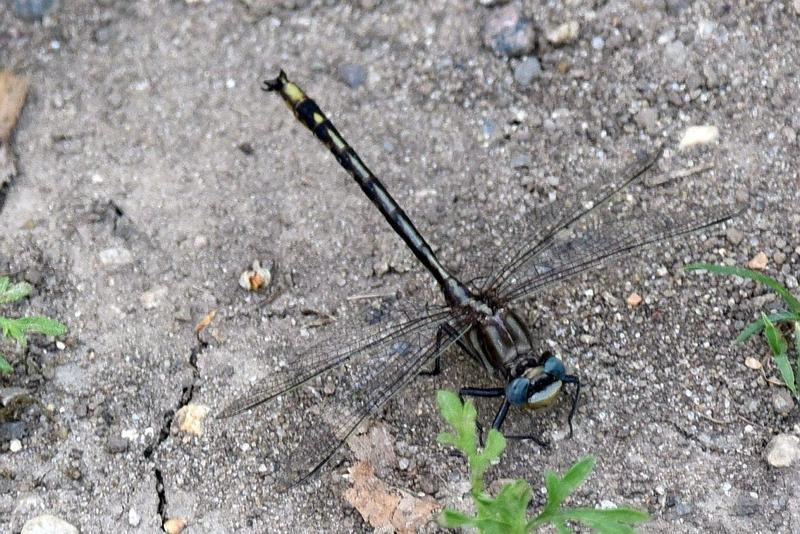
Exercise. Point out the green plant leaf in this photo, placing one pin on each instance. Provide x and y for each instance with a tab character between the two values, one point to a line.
11	329
450	406
758	325
779	348
4	281
5	367
797	346
791	301
495	445
450	518
41	325
15	292
577	474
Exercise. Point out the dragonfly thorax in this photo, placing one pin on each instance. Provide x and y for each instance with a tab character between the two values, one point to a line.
501	340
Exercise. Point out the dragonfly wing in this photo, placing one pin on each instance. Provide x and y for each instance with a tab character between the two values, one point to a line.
331	353
617	229
360	391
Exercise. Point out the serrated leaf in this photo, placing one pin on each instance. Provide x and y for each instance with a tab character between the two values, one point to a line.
611	515
797	346
41	325
495	445
12	330
15	292
577	474
788	298
450	518
5	367
447	438
450	406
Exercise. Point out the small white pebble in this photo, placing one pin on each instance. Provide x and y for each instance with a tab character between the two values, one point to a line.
15	445
699	135
133	517
60	345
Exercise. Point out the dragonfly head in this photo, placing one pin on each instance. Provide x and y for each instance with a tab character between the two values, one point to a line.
539	385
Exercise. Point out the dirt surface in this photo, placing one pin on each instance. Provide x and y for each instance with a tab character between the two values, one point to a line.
152	171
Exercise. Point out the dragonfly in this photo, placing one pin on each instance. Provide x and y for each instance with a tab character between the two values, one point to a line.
480	318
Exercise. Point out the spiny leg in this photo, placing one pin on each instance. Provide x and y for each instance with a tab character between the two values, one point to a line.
446	330
486	393
572	379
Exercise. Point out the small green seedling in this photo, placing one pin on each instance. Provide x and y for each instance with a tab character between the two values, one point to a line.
18	329
506	513
777	343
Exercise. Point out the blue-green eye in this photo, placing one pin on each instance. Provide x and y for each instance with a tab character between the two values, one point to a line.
554	367
517	391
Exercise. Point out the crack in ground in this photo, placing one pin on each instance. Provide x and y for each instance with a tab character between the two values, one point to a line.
163	434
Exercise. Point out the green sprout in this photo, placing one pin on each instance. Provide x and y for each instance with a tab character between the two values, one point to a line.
775	339
506	513
18	329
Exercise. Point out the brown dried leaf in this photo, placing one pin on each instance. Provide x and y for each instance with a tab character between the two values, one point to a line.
13	90
384	507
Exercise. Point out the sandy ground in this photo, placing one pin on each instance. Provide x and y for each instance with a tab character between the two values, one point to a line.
153	171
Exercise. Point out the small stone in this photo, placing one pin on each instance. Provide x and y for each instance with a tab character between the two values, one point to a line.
779	258
759	262
791	281
352	75
526	70
783	450
116	444
508	32
14	395
190	418
329	388
634	299
598	43
13	430
15	445
647	119
134	518
32	10
705	29
734	236
521	161
174	525
782	401
403	464
153	298
796	4
752	363
115	256
610	299
698	135
48	524
746	506
563	33
675	56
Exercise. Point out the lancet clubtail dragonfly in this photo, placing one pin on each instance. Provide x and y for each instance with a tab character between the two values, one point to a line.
479	320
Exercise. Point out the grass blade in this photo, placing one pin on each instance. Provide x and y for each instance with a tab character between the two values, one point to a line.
41	325
791	301
779	348
758	325
5	367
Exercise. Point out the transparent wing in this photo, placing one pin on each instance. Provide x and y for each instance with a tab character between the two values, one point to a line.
361	391
331	353
611	225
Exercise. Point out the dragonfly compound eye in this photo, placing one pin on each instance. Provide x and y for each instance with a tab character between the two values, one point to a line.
554	367
517	391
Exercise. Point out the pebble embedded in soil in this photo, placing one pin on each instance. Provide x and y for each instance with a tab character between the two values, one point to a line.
698	135
352	75
508	32
48	524
15	445
783	450
759	262
526	70
115	256
734	236
153	298
563	33
634	299
133	517
116	444
521	161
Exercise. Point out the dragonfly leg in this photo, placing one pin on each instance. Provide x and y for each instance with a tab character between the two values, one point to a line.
445	331
572	379
483	393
